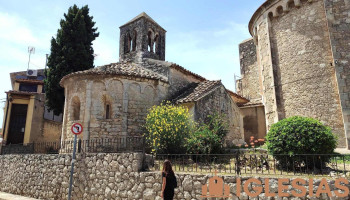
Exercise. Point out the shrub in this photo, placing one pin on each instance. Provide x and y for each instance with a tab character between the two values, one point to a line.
208	138
300	135
167	128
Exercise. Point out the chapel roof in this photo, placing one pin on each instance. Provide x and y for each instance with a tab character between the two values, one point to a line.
252	103
197	91
143	14
120	68
238	98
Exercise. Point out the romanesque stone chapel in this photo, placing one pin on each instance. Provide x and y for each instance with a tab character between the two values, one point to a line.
113	100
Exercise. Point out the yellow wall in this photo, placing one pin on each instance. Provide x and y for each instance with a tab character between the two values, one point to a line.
15	101
16	87
29	120
52	131
40	89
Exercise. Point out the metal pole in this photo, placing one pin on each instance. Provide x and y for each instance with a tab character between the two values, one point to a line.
72	168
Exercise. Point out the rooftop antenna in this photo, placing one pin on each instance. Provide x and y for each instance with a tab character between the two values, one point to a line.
235	80
31	50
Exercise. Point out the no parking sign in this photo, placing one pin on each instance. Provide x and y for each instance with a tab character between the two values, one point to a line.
77	129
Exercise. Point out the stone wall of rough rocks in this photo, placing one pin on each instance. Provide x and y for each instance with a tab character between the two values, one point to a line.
303	70
266	67
139	30
249	85
219	102
338	17
128	98
302	58
105	176
47	176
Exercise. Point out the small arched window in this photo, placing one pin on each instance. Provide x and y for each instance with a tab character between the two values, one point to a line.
150	41
279	10
291	4
127	43
108	111
76	108
156	44
134	41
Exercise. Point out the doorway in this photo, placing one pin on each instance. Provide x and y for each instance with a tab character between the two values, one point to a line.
17	124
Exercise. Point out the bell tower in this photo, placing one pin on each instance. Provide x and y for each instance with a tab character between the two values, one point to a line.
141	38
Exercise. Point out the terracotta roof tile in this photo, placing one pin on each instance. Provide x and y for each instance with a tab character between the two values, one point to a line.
237	98
252	103
196	92
186	71
120	68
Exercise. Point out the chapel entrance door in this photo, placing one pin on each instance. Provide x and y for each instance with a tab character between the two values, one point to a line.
17	124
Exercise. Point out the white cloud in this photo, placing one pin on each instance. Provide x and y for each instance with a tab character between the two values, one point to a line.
15	30
106	51
15	37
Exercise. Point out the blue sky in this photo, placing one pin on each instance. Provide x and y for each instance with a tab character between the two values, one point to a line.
202	35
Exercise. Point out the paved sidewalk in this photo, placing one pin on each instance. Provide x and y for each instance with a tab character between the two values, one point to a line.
7	196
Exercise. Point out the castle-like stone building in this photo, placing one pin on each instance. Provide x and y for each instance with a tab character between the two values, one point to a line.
113	100
297	63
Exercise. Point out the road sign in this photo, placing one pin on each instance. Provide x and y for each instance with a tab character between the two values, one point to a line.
77	129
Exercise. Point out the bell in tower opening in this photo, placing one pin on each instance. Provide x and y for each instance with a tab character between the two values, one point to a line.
141	38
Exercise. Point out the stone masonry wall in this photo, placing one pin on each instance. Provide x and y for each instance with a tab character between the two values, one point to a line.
219	101
128	99
109	176
249	85
266	70
47	176
338	16
303	70
138	30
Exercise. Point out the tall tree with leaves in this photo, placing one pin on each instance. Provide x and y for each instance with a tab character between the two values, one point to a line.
71	51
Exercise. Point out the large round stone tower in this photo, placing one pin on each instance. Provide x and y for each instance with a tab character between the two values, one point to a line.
297	62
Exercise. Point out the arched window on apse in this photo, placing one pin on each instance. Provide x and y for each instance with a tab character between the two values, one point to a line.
108	111
279	10
291	4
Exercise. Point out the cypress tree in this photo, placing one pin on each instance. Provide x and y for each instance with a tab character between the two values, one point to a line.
71	51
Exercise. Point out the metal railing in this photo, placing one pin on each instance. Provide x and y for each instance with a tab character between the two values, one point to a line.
100	145
247	164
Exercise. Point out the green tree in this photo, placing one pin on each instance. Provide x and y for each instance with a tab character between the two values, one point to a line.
71	51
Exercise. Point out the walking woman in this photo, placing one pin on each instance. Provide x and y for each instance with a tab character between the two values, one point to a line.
169	181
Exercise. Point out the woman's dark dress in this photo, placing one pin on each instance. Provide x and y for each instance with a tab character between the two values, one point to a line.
169	186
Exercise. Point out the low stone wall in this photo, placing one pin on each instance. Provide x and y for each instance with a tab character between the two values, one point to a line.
110	176
47	176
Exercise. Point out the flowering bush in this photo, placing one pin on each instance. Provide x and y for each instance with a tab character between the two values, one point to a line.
208	138
167	128
254	142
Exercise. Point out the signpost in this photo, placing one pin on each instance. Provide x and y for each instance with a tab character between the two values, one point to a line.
76	130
